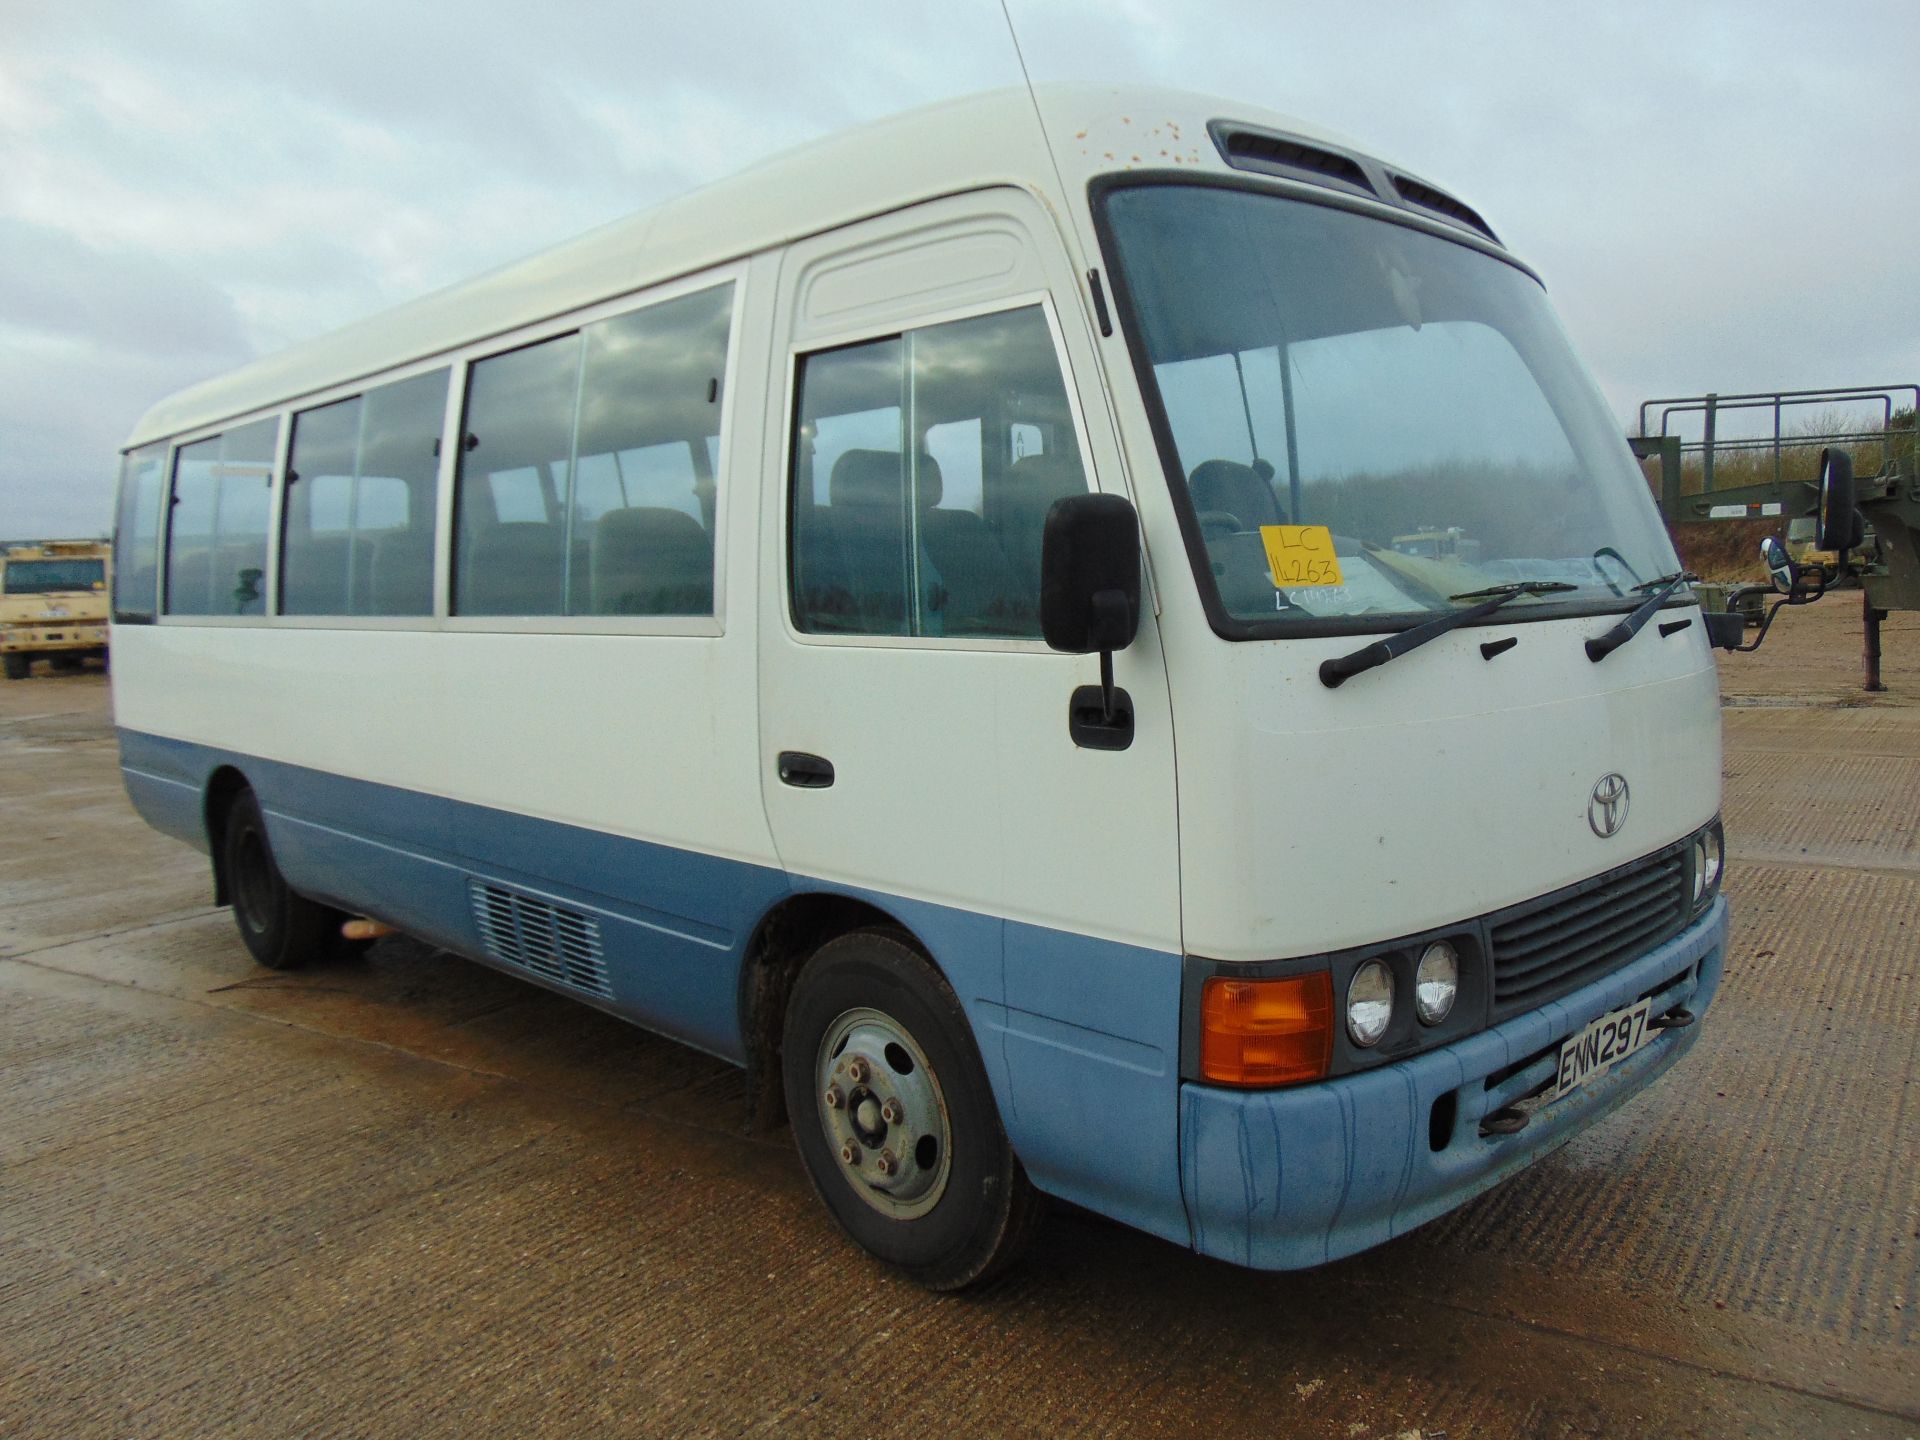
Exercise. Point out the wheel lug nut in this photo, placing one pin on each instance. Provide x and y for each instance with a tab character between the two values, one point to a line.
893	1112
857	1071
833	1097
887	1163
850	1153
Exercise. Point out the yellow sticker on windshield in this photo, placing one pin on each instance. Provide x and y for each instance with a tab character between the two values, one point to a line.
1300	555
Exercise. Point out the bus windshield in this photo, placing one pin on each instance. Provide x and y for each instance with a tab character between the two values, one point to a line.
1413	395
40	577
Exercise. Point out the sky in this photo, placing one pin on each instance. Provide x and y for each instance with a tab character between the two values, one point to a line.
1718	195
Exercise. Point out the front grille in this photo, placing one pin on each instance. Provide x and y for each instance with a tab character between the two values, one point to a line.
1546	947
540	937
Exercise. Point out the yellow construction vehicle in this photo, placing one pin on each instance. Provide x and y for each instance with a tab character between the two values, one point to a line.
53	604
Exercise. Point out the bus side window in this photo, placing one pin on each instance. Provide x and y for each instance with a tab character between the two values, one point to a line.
933	533
510	554
650	421
217	538
136	540
361	475
598	455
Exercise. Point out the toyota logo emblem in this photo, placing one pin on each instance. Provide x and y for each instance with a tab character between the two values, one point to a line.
1607	810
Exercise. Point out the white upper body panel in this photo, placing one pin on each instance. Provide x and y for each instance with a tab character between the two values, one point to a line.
944	149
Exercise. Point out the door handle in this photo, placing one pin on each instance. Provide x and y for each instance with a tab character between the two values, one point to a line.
807	772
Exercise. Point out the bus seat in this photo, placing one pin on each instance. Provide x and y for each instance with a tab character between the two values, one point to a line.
399	573
314	578
512	568
649	560
853	560
1230	488
1033	483
978	594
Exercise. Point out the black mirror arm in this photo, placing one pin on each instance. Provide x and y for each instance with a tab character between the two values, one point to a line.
1112	628
1766	624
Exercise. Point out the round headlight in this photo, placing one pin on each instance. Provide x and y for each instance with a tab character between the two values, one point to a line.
1369	1002
1436	983
1699	869
1715	846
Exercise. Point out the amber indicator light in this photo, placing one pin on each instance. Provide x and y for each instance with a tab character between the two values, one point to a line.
1266	1032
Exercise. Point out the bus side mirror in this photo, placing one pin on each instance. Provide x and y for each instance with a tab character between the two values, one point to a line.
1090	574
1090	600
1840	527
1786	574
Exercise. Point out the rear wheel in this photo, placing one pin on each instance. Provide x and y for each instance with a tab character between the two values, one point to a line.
894	1118
282	929
17	663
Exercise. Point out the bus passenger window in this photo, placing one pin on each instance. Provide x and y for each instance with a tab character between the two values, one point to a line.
510	552
650	419
217	538
598	454
930	525
361	477
136	540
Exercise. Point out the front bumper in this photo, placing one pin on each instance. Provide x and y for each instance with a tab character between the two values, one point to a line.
87	635
1283	1179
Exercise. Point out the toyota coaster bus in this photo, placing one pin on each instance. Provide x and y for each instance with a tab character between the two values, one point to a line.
949	620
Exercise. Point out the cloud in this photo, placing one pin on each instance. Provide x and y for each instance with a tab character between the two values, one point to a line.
187	185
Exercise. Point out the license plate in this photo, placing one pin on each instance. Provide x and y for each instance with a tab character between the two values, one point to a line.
1601	1046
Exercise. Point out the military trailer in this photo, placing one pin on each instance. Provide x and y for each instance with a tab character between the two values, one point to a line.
1859	532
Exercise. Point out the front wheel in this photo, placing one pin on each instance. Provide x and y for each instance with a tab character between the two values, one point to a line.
17	662
894	1117
281	928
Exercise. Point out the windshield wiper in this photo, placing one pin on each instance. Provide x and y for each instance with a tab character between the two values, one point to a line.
1336	672
1602	646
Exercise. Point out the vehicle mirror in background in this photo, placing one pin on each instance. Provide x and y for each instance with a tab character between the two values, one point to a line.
1841	527
1786	574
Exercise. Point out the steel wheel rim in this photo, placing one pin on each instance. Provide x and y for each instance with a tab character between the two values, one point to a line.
883	1114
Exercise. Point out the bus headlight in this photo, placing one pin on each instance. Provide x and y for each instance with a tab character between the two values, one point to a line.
1709	860
1715	846
1369	1002
1436	983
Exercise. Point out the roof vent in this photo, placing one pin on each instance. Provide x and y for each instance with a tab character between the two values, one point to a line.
1267	152
1423	196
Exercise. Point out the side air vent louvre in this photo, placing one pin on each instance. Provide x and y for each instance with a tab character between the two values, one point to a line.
541	938
1271	154
1415	192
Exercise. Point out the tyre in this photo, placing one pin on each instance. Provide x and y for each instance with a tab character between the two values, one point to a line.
17	663
283	930
894	1118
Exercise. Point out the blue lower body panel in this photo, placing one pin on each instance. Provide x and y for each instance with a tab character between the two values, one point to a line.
1079	1036
1283	1179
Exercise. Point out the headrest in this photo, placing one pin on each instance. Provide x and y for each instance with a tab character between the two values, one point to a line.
1229	486
648	526
1049	475
876	478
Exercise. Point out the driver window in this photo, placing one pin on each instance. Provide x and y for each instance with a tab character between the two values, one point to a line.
923	468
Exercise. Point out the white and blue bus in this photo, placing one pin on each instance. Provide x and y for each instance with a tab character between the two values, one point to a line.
932	620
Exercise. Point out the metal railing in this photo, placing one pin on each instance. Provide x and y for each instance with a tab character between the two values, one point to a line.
1891	400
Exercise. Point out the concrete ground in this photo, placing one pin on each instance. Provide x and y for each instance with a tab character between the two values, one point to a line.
413	1197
